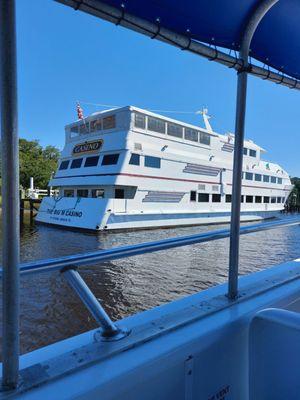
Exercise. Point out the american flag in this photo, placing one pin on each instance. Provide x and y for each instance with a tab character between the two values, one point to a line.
79	112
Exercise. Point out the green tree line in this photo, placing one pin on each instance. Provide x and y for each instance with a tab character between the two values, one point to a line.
294	198
36	161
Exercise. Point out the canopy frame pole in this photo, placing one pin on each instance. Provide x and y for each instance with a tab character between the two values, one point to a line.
253	22
10	195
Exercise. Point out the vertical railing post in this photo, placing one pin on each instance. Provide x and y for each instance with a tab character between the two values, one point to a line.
262	8
10	195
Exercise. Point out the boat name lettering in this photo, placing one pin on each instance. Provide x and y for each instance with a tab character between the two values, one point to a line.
221	394
87	147
67	213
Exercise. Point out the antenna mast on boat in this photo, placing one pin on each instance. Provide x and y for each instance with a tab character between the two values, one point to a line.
206	118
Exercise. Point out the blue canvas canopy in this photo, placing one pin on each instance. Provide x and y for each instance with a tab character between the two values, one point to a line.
276	42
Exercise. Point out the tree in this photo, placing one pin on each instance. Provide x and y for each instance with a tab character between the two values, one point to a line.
36	162
294	197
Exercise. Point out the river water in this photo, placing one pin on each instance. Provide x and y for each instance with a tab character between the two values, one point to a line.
50	311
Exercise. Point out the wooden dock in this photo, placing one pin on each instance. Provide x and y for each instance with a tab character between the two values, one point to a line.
31	205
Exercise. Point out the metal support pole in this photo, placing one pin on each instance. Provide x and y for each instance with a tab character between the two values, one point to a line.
92	304
263	7
10	194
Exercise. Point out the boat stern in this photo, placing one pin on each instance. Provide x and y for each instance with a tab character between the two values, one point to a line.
75	212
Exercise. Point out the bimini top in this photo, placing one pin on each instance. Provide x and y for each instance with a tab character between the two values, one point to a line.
276	42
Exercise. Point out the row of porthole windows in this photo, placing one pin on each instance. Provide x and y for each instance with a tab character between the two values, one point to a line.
249	176
217	198
149	161
249	152
108	159
95	193
171	129
94	125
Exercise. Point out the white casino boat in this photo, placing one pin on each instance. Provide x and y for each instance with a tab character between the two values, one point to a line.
130	168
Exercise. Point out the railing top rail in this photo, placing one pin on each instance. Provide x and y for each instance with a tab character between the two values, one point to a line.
56	264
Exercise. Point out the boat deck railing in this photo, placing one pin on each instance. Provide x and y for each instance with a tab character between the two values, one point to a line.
68	265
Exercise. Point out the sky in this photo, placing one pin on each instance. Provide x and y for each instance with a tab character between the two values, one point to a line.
65	55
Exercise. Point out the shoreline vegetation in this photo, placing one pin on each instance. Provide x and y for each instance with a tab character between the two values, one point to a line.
35	161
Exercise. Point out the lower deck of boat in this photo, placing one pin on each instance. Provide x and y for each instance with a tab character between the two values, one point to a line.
204	346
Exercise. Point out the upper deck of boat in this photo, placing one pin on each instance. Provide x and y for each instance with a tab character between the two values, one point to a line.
131	118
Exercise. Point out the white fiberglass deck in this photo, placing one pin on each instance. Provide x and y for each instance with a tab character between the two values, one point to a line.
194	348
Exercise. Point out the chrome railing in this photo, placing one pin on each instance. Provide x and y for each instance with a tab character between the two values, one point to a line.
57	264
68	265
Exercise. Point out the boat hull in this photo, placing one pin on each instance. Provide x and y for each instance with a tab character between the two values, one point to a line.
99	215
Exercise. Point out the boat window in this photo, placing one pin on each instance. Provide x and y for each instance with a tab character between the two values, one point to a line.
228	198
249	199
74	129
204	138
245	151
242	199
273	179
216	198
174	130
76	163
191	134
139	120
283	199
266	178
110	159
257	177
91	161
203	197
258	199
68	193
96	125
82	193
84	128
109	122
193	195
249	176
134	159
273	199
278	199
279	181
98	193
252	153
266	199
152	162
156	125
119	194
64	164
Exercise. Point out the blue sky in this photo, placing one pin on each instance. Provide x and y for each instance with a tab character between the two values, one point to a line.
65	56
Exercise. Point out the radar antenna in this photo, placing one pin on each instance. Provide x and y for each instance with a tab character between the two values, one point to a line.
206	117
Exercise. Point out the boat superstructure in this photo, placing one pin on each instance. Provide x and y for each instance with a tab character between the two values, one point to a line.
130	168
